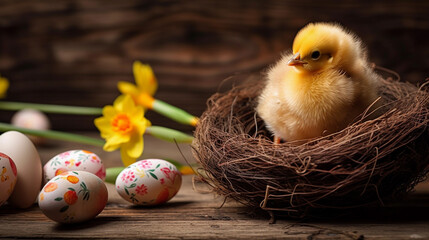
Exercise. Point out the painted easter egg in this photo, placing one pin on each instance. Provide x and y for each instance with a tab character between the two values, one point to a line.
28	165
8	176
74	160
149	182
73	196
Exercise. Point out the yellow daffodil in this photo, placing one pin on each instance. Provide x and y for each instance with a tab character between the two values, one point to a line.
142	94
4	85
146	85
123	126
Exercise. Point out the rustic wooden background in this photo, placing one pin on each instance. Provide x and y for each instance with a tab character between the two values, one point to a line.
74	51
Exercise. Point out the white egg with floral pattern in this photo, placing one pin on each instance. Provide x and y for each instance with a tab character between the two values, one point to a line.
149	182
74	160
72	197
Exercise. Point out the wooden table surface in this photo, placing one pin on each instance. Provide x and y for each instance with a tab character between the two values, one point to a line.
194	215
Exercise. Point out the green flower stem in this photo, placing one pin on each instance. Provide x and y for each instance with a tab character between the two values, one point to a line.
174	113
159	106
112	173
14	106
53	135
169	135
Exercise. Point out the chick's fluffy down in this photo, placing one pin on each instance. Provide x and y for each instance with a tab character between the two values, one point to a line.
299	103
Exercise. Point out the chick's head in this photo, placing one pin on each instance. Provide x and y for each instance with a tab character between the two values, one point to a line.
320	46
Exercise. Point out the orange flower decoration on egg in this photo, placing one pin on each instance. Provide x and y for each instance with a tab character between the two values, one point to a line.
70	197
61	171
72	179
50	187
123	126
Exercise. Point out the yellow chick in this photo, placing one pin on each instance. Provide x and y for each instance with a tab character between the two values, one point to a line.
319	89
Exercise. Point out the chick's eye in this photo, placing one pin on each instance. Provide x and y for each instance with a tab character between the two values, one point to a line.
315	55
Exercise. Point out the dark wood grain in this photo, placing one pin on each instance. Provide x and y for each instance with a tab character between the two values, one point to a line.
74	52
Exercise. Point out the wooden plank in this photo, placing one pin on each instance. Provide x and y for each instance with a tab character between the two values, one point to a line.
194	215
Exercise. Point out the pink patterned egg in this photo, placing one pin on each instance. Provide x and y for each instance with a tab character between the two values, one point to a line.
7	177
73	196
74	160
149	182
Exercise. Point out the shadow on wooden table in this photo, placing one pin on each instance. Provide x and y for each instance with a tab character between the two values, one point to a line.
414	208
93	223
168	205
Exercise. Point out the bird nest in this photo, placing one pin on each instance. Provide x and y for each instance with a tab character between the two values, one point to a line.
369	162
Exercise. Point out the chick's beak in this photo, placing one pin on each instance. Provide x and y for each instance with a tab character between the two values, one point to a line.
296	61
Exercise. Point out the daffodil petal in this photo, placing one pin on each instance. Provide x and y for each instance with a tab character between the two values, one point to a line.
149	83
110	147
127	88
128	105
4	85
109	111
102	123
142	125
126	159
137	112
134	147
138	77
147	122
104	126
118	104
145	78
113	142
